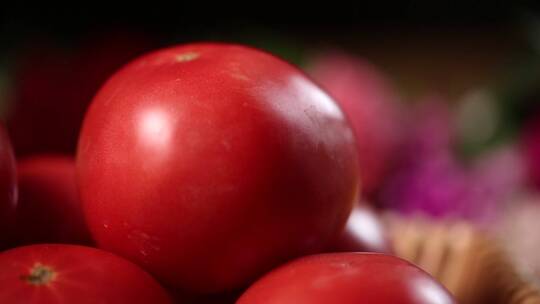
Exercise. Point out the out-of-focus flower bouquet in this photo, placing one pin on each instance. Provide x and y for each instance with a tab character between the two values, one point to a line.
472	159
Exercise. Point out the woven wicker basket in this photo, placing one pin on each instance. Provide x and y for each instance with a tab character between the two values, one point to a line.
469	263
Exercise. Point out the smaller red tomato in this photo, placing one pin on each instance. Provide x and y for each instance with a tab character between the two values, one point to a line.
49	274
347	278
8	187
49	209
364	231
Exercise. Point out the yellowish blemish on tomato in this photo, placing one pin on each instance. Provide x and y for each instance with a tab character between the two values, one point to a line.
185	57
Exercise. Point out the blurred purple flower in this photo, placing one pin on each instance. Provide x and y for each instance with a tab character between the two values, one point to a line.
428	179
495	178
436	186
432	180
432	134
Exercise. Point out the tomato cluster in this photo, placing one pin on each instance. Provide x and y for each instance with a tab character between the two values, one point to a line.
206	166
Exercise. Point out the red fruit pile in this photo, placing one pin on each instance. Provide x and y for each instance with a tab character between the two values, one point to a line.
206	166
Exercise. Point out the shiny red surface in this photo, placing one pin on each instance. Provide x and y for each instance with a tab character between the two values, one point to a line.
49	209
364	231
81	275
209	164
8	188
347	278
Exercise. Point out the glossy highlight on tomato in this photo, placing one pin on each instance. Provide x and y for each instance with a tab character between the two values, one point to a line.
209	164
347	278
364	232
51	274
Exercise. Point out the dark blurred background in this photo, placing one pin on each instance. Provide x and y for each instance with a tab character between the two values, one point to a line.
405	38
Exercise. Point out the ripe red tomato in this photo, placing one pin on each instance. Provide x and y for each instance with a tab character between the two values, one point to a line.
8	188
49	208
347	278
209	164
364	231
50	274
374	110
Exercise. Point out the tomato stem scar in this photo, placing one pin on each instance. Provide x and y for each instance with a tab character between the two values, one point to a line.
39	275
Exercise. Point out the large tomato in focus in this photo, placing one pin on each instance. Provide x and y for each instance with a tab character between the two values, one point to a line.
208	164
373	107
50	274
364	231
347	278
8	188
49	208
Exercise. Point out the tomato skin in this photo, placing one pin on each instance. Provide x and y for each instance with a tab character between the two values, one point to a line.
347	278
8	188
81	275
209	164
49	209
364	231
